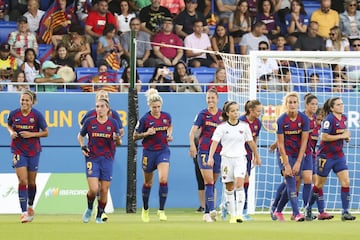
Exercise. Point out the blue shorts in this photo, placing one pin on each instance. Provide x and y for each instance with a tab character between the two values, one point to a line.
202	159
31	163
100	168
151	159
248	164
292	161
307	163
326	165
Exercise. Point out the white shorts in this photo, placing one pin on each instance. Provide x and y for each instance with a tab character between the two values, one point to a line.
232	168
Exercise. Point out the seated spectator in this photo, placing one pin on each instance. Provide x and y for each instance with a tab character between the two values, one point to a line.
225	9
267	15
352	76
143	46
338	83
124	17
222	42
61	57
337	42
18	77
151	17
253	6
109	48
82	9
267	68
125	80
219	83
296	21
198	41
280	45
8	65
174	6
77	45
185	21
240	21
282	7
31	66
166	55
48	75
183	76
33	15
22	39
325	17
4	10
311	41
204	7
314	80
350	20
284	81
162	79
250	41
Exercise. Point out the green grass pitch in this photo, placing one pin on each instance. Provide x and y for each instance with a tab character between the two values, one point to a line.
182	224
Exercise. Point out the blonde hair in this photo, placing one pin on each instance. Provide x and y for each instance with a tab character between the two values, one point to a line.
285	99
31	94
100	94
152	96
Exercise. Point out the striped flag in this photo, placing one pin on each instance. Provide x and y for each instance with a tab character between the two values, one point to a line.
113	61
104	77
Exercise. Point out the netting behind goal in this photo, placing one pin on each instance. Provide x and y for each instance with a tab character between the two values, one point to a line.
324	74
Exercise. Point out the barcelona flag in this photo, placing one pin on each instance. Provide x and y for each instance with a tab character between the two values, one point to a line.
104	77
113	61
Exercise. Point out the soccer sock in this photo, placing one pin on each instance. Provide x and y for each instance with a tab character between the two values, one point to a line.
31	193
278	196
90	201
320	200
246	187
230	198
306	193
101	208
163	191
209	197
145	196
284	198
23	197
314	196
291	191
240	201
345	198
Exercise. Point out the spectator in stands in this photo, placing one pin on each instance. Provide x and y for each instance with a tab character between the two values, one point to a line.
124	17
314	81
337	42
4	10
240	21
222	42
350	20
152	16
185	20
296	21
82	9
338	83
166	55
183	76
196	41
174	6
31	66
162	79
282	7
284	81
311	41
353	71
22	39
125	80
326	18
219	83
48	75
143	46
267	68
253	9
33	15
104	75
109	44
280	45
8	64
204	7
250	41
267	15
96	20
62	57
18	77
225	9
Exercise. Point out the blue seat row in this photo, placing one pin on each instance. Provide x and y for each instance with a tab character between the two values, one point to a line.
300	76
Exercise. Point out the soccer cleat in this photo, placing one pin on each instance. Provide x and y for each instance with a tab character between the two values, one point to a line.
145	215
324	216
239	219
200	210
272	215
308	215
162	216
31	214
247	217
207	218
346	216
224	210
24	217
104	217
299	217
213	214
279	216
99	220
87	215
233	220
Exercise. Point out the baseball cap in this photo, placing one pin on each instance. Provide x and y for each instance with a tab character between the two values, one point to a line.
49	64
22	19
5	47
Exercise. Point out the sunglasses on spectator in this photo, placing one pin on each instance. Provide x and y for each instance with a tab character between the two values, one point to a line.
353	5
332	34
356	45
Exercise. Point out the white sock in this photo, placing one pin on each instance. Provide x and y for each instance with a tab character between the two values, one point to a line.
240	201
230	198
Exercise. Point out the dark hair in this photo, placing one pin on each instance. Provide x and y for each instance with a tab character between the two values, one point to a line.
102	63
236	19
36	63
226	109
16	74
156	70
263	43
329	103
309	97
197	20
108	28
125	78
213	90
176	74
135	18
302	8
76	28
251	104
260	6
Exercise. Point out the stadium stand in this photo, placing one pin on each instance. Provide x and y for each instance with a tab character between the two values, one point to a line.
6	29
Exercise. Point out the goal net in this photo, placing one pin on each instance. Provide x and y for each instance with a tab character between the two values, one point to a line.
324	74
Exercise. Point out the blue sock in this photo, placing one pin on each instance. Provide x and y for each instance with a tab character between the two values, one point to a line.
279	191
246	188
145	196
90	201
23	197
306	193
283	200
163	191
292	195
209	197
31	193
345	198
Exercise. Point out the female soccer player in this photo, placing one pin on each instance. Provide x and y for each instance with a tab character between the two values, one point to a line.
292	137
26	126
253	110
233	135
155	130
206	122
103	133
331	156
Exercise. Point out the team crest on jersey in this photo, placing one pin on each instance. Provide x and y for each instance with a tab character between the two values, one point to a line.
255	127
165	121
241	132
32	120
108	128
268	119
221	119
299	124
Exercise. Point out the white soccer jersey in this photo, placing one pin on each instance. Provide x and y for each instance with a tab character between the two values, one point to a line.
233	138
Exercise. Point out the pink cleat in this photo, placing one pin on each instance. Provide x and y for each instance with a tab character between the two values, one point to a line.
325	216
299	218
279	216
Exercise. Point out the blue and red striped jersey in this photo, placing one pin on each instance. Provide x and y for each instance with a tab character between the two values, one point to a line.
313	136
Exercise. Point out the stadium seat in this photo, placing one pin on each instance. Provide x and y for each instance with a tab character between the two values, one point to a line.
311	6
325	77
45	51
6	29
204	75
298	79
